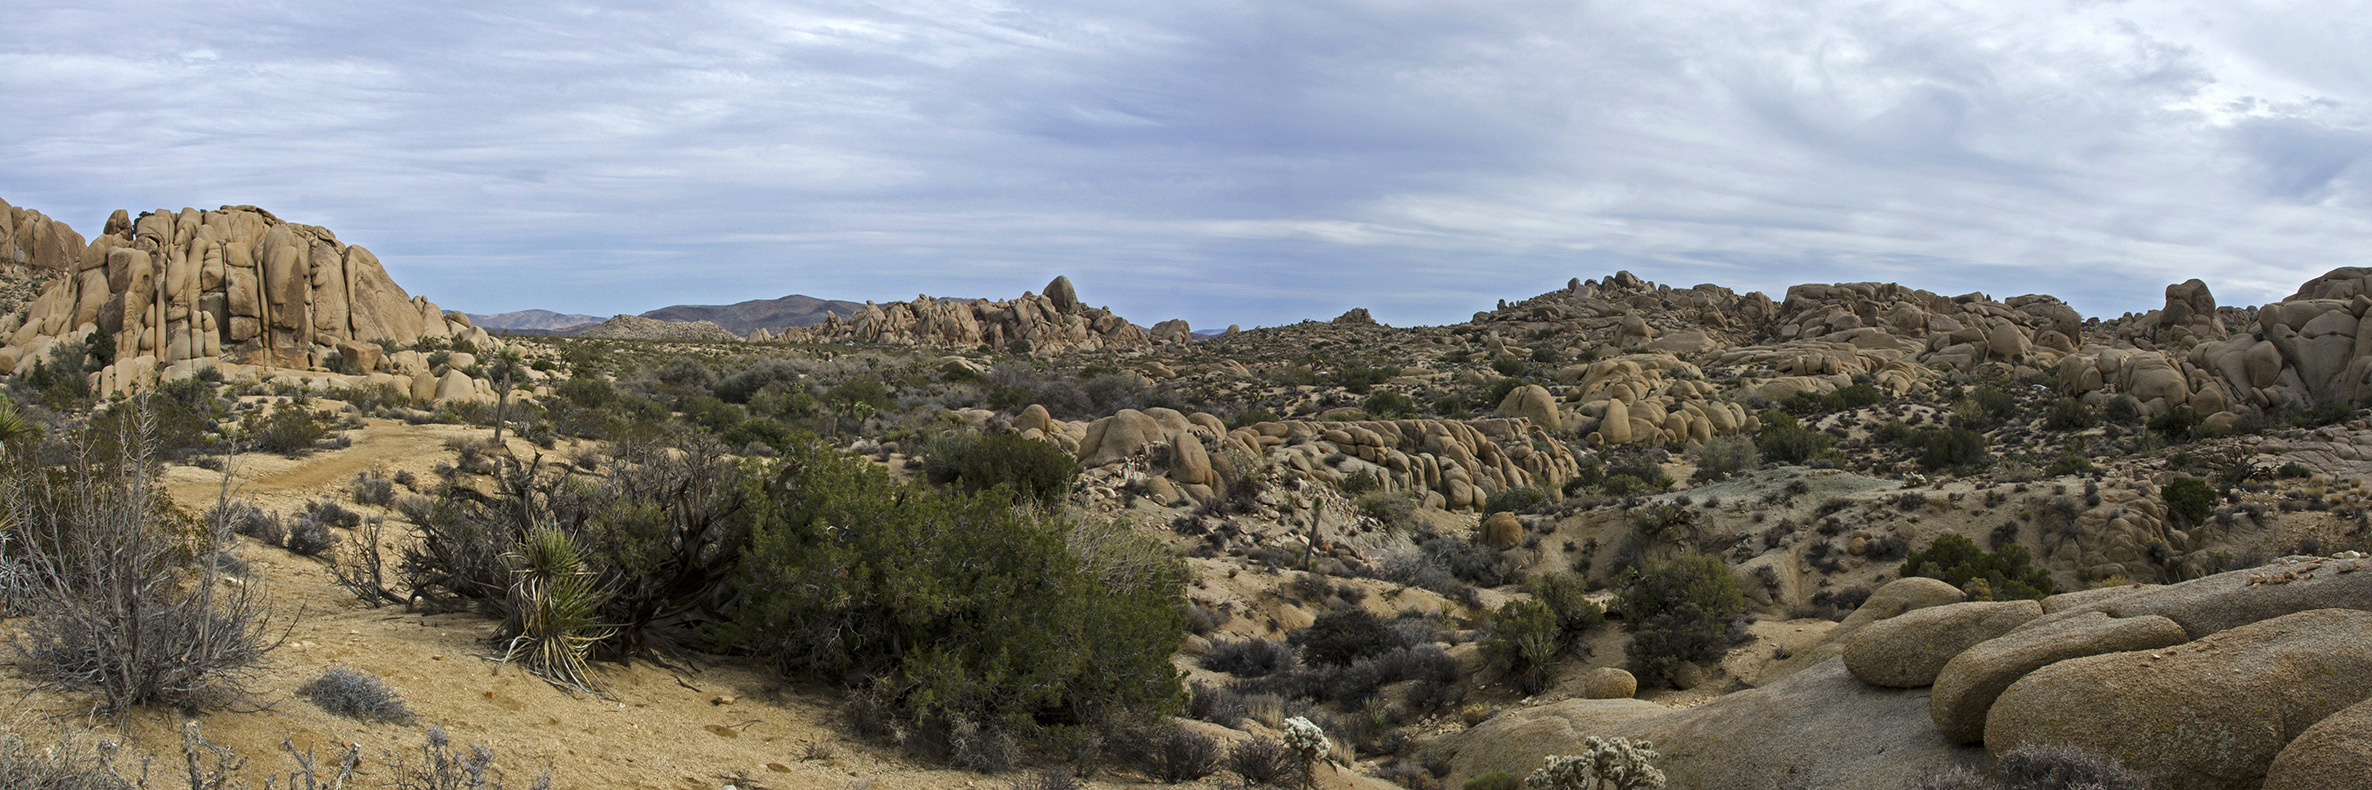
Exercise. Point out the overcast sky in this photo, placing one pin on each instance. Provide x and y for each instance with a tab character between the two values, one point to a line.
1253	162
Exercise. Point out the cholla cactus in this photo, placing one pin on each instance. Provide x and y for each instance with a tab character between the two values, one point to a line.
1306	739
1615	763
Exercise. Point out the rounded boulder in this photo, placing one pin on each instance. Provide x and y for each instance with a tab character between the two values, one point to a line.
1609	683
2210	714
1908	650
1971	681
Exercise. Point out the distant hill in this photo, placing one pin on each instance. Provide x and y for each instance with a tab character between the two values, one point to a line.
539	320
768	314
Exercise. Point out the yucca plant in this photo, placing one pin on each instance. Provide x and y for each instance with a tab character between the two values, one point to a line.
554	602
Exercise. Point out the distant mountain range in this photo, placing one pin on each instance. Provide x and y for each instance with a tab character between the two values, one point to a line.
541	320
742	318
768	314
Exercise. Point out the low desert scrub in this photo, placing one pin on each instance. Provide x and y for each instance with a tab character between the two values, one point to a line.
118	606
356	694
285	428
1679	611
374	490
1170	754
2041	767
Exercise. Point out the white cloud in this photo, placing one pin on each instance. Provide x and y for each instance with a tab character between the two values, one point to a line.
1224	161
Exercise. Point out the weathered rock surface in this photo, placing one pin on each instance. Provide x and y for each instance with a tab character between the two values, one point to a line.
1819	728
1907	650
1053	321
2210	714
236	284
1609	683
1968	685
2235	598
2334	754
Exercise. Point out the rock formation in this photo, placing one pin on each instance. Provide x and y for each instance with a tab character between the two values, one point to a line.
1049	322
236	284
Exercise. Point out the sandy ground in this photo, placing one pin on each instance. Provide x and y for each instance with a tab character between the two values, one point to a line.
724	723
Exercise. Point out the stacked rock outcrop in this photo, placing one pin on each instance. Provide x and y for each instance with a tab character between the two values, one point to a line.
1451	464
236	284
27	238
1053	321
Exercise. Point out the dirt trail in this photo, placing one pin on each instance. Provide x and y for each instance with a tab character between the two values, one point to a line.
277	482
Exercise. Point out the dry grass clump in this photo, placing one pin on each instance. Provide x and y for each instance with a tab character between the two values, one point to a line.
356	694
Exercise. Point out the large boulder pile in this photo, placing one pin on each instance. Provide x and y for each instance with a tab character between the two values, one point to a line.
1944	333
1053	321
27	238
1653	398
1625	311
1450	464
236	284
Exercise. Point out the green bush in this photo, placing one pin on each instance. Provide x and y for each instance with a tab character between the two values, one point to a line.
959	608
1526	644
1679	611
1032	470
2068	463
1512	500
1388	405
2122	410
2189	499
589	393
1949	448
712	415
285	428
1494	780
1783	440
1856	396
1508	365
1567	595
2179	424
2069	414
1342	636
1250	417
2008	573
1726	455
1359	379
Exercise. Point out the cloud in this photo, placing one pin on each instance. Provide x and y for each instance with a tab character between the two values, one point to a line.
1228	162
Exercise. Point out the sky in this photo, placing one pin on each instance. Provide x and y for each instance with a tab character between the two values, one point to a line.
1255	163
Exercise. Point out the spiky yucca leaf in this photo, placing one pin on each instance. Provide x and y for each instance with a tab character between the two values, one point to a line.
553	602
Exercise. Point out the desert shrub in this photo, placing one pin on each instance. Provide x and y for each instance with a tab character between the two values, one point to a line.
1724	456
1393	509
1493	780
245	519
309	536
1264	762
2056	767
1388	405
104	556
1250	417
979	611
1171	754
1248	658
1424	569
1567	596
1360	482
284	428
1525	644
1049	779
2122	410
1030	470
2068	463
2069	414
1516	499
2188	499
1945	448
1215	704
2180	424
586	392
1605	764
1679	611
1341	636
745	384
440	766
1958	777
1354	685
551	622
1508	365
1786	441
75	762
356	694
2009	573
374	490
